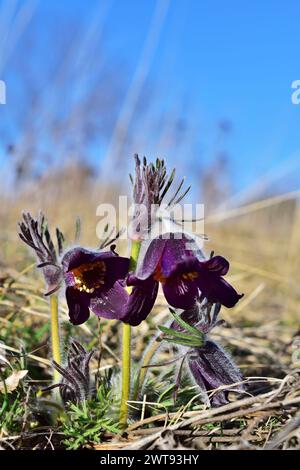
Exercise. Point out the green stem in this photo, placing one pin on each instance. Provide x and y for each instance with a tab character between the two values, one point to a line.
126	350
55	334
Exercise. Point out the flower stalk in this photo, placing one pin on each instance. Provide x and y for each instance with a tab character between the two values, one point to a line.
126	349
55	338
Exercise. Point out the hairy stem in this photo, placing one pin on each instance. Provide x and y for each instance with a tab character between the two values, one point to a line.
126	350
56	355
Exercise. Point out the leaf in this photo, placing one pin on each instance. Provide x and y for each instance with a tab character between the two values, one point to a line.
192	329
12	382
188	343
178	334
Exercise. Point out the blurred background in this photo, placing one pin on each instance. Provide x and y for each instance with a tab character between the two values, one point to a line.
204	84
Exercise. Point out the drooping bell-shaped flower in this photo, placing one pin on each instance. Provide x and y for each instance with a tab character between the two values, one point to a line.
95	279
95	282
211	367
173	259
186	276
151	183
92	279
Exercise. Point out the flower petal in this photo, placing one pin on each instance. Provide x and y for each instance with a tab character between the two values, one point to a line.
78	304
217	264
94	268
116	268
166	251
110	303
78	256
212	367
180	293
216	290
150	255
206	275
140	302
117	303
175	251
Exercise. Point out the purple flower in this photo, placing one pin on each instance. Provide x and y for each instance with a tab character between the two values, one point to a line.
95	280
93	283
210	366
140	301
179	265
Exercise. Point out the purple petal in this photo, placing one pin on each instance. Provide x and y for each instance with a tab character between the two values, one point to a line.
116	268
216	264
185	265
94	269
216	289
110	303
165	252
203	276
140	302
150	256
180	293
117	303
212	367
176	250
78	304
78	256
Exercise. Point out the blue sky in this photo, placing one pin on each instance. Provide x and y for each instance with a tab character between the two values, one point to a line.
230	59
236	60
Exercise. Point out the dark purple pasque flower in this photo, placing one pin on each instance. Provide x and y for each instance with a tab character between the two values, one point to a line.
35	233
210	365
95	280
92	279
185	275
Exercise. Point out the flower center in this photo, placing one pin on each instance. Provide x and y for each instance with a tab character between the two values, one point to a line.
159	276
190	276
89	276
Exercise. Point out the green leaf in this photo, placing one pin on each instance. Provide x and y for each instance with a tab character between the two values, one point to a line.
193	330
178	334
191	343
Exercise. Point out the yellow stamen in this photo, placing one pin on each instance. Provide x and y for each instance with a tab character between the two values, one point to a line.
190	276
89	276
